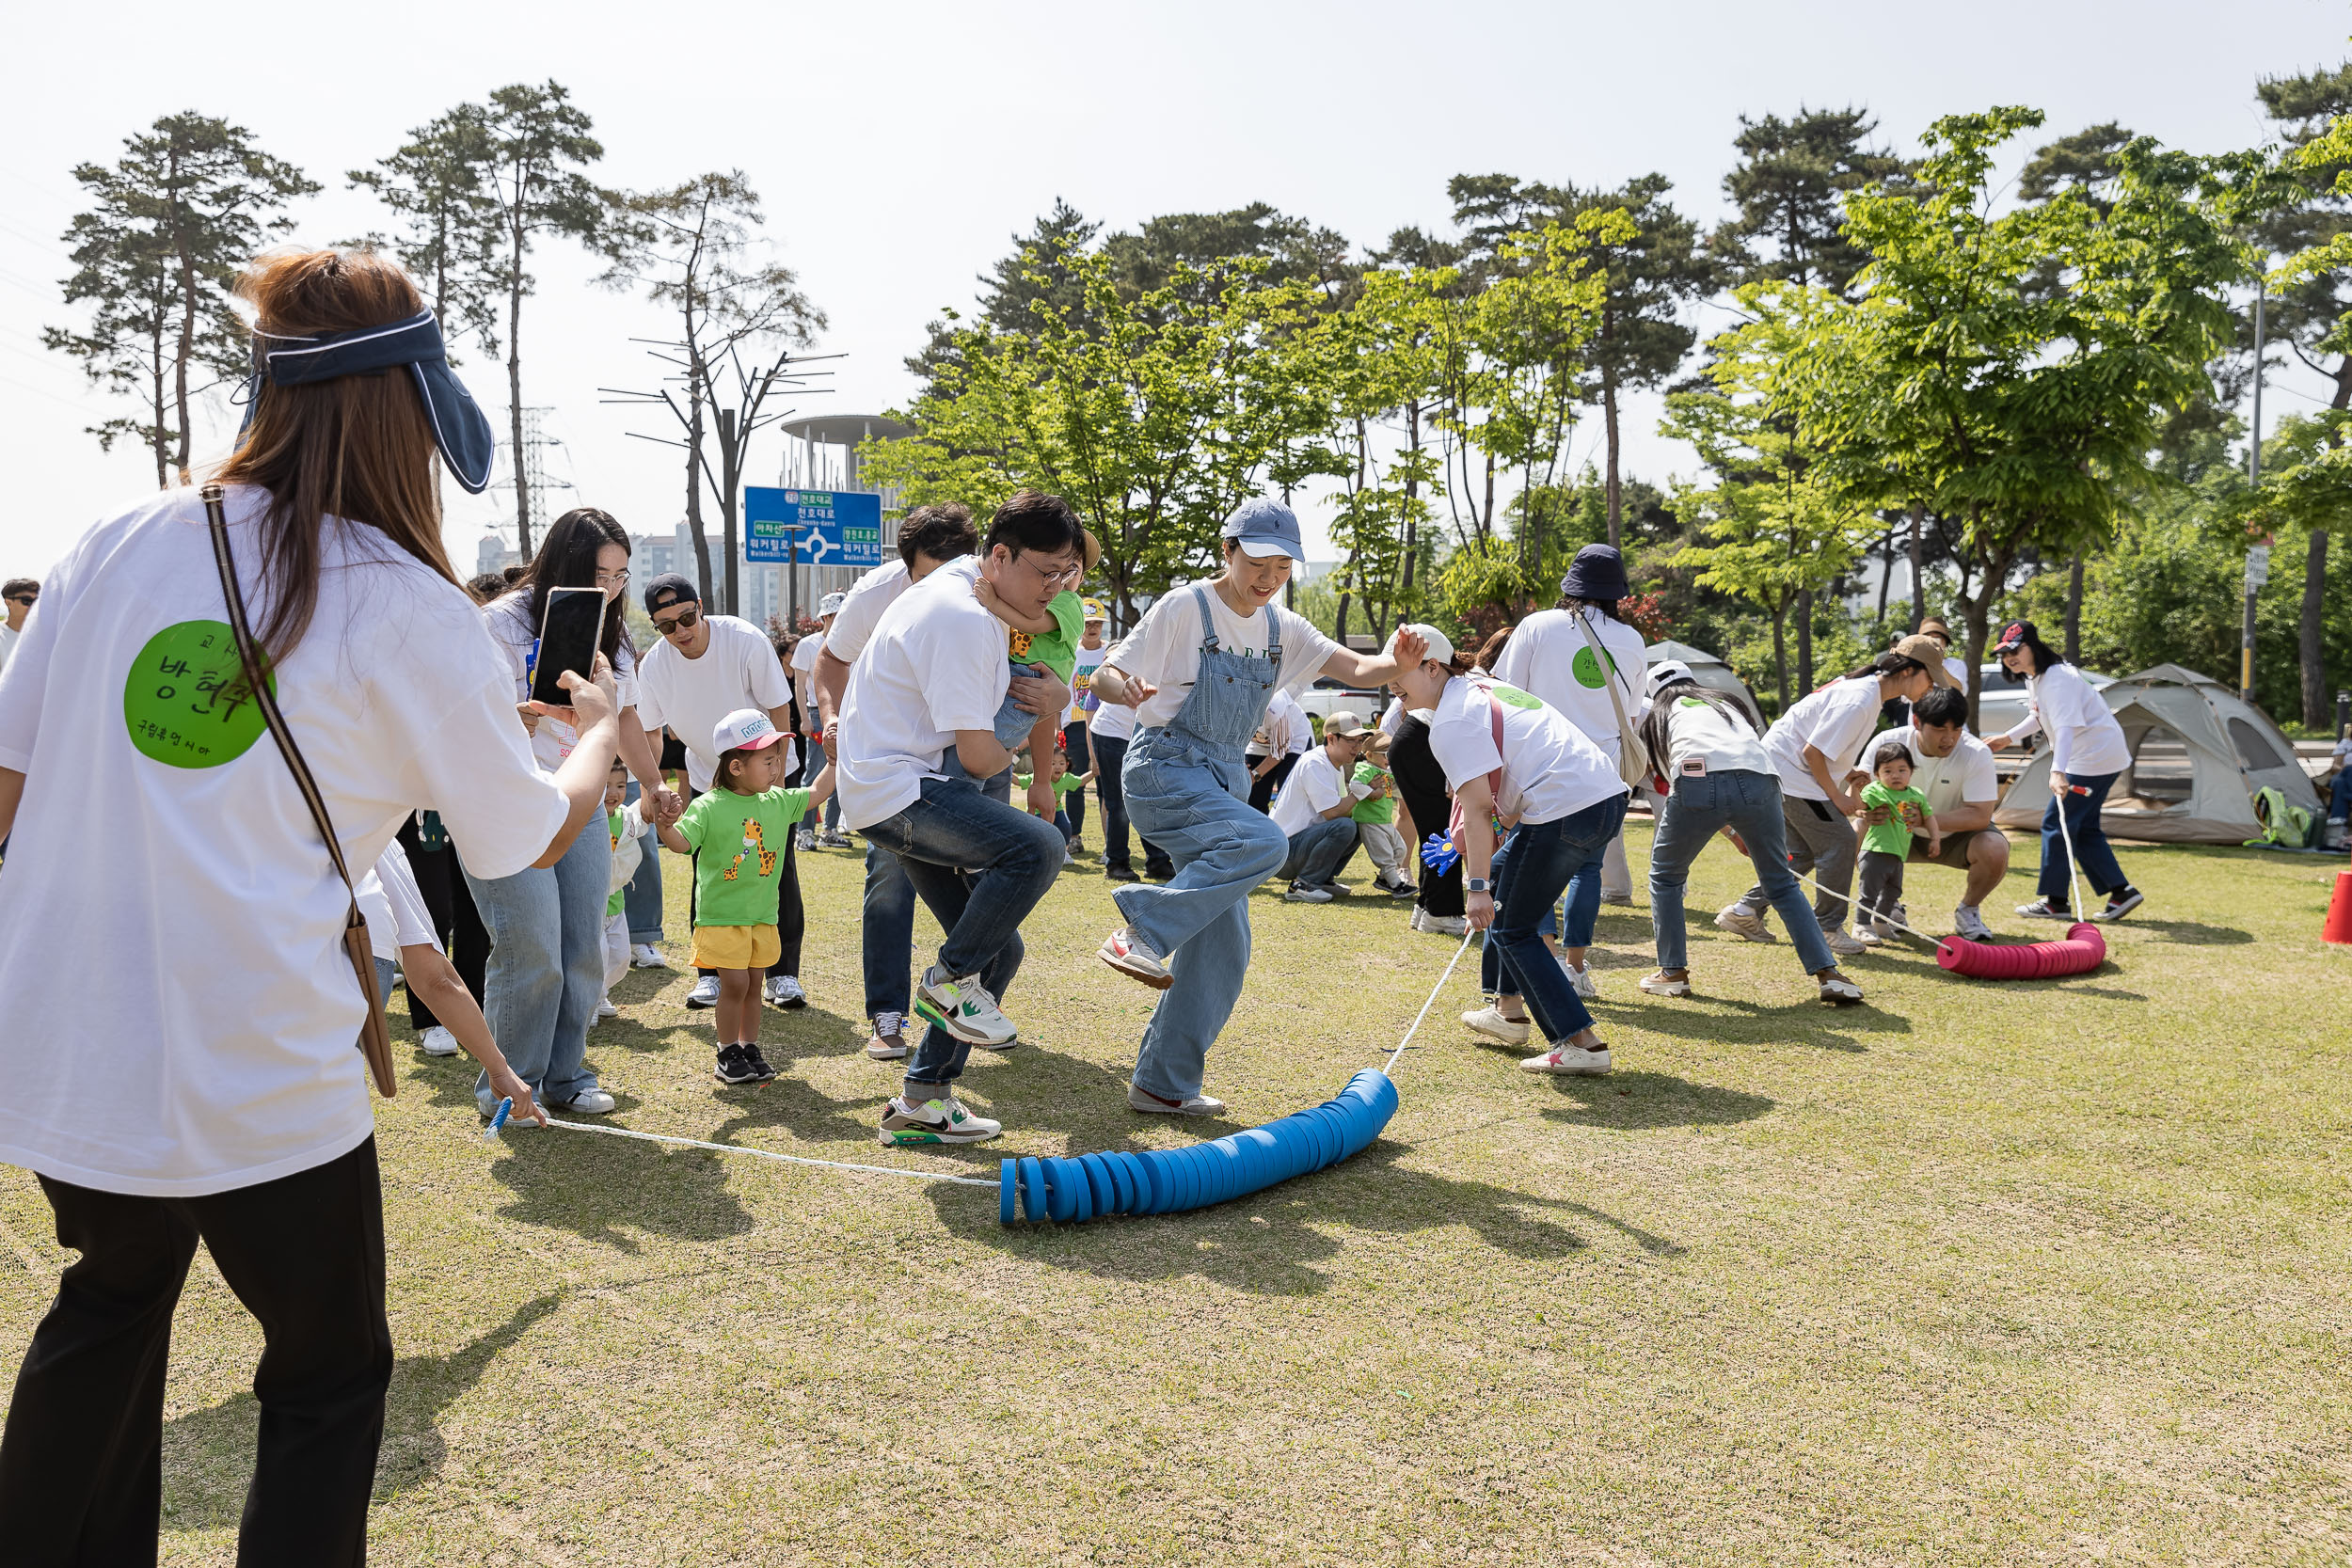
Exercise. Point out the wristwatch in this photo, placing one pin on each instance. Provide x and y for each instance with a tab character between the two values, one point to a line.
1475	884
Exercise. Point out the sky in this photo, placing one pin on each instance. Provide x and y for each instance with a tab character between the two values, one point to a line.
899	148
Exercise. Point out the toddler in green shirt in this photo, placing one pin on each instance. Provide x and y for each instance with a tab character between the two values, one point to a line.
1885	845
1375	823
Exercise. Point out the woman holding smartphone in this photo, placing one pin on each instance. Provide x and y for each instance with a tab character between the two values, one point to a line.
546	924
208	1088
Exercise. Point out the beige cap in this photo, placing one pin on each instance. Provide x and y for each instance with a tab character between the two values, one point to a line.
1927	652
1345	724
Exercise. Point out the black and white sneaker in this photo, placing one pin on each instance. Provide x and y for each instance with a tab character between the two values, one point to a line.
758	1062
734	1065
2122	903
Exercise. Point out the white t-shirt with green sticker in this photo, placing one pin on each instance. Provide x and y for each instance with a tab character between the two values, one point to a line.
1547	655
179	1011
1549	769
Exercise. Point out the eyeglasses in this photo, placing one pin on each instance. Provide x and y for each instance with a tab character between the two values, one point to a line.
683	620
613	579
1068	575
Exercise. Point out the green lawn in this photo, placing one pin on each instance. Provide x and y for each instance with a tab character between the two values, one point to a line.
2033	1272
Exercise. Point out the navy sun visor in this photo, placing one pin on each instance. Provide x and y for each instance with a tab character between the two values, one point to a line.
460	429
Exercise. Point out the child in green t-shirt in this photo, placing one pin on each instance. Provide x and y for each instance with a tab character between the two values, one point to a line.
737	833
1887	845
1062	781
1376	822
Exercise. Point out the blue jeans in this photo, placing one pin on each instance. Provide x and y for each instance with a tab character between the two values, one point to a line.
1571	922
889	914
547	966
2090	841
642	902
1748	804
980	866
1195	806
2340	797
1541	860
1110	756
1319	852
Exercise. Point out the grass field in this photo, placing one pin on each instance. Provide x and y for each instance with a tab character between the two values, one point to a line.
2038	1272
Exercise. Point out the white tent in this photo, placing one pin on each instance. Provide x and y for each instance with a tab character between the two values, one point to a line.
2198	755
1709	670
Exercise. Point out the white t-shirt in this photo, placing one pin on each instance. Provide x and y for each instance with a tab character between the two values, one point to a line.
1082	678
394	906
1723	742
2084	737
1164	649
1549	656
934	665
862	611
629	849
1948	782
8	641
804	653
1313	788
1958	670
1835	721
1287	730
739	669
162	839
1111	721
1550	768
516	636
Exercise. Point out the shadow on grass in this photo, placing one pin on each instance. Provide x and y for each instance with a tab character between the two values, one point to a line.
1268	1242
2190	933
602	1189
208	1454
1639	1102
1723	1019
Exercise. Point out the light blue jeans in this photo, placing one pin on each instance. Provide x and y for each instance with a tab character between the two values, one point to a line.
547	966
1195	806
1694	812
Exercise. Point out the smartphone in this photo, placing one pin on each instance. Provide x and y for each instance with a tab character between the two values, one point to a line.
568	635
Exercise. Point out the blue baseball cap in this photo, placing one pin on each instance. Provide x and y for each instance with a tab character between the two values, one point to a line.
1262	526
460	429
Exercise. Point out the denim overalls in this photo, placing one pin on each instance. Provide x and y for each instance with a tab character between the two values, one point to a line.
1188	792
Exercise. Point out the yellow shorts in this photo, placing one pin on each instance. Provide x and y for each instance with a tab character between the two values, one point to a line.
736	946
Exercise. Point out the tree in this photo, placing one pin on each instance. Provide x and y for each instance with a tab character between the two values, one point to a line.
1778	526
1153	415
2312	310
436	180
1650	273
172	224
1790	186
690	247
537	144
2025	418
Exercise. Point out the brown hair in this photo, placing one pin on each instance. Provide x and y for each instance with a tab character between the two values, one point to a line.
1891	750
358	447
1491	650
941	531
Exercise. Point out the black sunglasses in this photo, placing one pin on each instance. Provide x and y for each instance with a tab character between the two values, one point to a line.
683	620
22	599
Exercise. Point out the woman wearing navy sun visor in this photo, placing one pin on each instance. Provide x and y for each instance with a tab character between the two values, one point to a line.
1200	669
209	1090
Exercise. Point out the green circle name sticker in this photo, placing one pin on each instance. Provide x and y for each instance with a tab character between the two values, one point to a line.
185	701
1511	696
1587	670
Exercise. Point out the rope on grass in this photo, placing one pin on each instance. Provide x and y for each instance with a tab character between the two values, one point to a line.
1390	1066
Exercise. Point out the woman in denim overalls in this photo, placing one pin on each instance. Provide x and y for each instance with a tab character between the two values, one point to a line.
1188	792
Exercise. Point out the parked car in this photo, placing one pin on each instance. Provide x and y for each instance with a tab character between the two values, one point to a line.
1327	697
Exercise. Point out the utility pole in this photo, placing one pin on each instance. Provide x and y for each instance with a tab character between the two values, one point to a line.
2257	556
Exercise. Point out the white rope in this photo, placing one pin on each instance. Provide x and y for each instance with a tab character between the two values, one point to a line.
1391	1063
1933	942
2074	867
767	1154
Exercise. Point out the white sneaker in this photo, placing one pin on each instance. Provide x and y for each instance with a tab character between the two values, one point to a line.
1069	856
784	990
1571	1061
1306	893
1617	900
594	1102
437	1041
1420	918
1488	1021
1656	984
1152	1104
646	956
803	840
1452	926
1741	921
705	992
1581	980
1135	957
606	1009
1865	935
962	1006
1969	921
935	1121
1844	941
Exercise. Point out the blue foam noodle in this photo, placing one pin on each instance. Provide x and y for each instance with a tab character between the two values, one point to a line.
1032	1190
1005	1180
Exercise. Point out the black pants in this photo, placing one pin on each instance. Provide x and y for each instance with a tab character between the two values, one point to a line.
1111	754
1261	790
1420	783
1073	740
449	901
81	1461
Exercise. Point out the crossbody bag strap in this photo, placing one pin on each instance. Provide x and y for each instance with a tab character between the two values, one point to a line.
375	1042
1634	760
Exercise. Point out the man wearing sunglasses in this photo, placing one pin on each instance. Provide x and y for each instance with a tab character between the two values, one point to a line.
705	668
18	593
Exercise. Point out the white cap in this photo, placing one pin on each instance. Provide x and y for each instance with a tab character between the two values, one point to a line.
746	729
1441	645
831	604
1665	672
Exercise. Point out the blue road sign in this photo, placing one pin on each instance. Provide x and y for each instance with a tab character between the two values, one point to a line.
833	528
